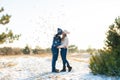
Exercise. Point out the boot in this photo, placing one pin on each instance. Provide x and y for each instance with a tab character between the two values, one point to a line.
69	68
56	71
63	70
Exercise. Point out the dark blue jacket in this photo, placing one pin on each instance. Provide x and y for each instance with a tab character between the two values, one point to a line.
56	41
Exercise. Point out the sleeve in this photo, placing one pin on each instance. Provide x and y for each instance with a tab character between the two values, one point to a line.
56	41
64	43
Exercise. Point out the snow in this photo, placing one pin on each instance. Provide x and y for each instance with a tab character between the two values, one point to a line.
39	68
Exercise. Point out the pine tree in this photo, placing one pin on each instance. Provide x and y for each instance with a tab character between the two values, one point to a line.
6	36
26	50
107	61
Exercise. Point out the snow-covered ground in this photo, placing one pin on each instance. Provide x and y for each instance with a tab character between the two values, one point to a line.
39	68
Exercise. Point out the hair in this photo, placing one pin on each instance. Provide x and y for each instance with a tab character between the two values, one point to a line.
63	37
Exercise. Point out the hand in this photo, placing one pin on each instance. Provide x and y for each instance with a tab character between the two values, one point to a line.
58	47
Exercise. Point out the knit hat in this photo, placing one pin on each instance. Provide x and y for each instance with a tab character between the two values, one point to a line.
66	32
59	31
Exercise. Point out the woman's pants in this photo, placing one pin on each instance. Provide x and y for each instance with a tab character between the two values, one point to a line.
63	56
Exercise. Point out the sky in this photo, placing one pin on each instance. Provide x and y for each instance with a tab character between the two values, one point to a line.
37	21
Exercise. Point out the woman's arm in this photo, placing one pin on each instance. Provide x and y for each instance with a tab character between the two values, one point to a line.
64	43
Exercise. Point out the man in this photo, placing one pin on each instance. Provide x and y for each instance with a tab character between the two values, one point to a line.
55	50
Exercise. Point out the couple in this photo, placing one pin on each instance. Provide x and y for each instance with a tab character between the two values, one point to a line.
60	44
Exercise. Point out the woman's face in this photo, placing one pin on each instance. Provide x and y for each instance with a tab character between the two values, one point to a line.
63	34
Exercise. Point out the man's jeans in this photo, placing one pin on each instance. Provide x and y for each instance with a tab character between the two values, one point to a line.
55	52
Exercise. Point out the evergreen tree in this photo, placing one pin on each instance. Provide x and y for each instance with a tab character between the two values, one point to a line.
107	61
26	50
73	48
6	36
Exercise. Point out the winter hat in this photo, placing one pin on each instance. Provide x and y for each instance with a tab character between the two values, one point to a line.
66	32
59	31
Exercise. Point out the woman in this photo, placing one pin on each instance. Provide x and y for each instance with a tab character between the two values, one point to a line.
55	50
63	46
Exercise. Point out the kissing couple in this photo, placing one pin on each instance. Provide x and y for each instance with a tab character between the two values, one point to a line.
60	43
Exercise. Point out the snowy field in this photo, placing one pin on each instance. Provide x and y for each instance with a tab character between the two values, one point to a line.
28	67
